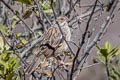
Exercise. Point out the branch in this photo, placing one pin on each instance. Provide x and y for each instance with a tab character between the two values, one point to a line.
40	15
71	7
107	69
30	30
83	40
12	47
31	45
87	14
100	34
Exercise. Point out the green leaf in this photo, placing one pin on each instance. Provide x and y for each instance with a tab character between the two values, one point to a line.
113	49
4	64
18	78
40	33
54	3
17	64
46	5
24	42
115	53
102	58
18	35
14	21
104	52
8	51
10	76
27	2
14	63
48	11
3	29
11	63
114	73
1	68
1	44
27	13
108	47
107	52
15	18
5	56
114	76
6	47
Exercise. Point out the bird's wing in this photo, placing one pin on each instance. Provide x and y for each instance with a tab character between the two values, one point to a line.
53	37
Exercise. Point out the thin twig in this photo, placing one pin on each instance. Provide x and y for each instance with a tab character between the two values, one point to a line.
82	41
40	15
86	67
18	17
107	69
85	15
6	41
34	42
71	8
74	43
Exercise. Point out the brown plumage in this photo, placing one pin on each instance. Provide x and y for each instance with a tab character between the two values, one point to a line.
52	44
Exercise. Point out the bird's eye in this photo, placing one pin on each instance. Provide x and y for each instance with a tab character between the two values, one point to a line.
62	19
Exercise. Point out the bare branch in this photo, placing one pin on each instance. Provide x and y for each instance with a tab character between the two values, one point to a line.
82	41
18	17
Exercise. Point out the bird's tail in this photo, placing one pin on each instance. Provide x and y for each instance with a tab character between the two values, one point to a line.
32	67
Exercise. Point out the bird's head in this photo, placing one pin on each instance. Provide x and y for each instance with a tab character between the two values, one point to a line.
62	21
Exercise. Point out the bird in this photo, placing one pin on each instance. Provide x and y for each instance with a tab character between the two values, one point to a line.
53	43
